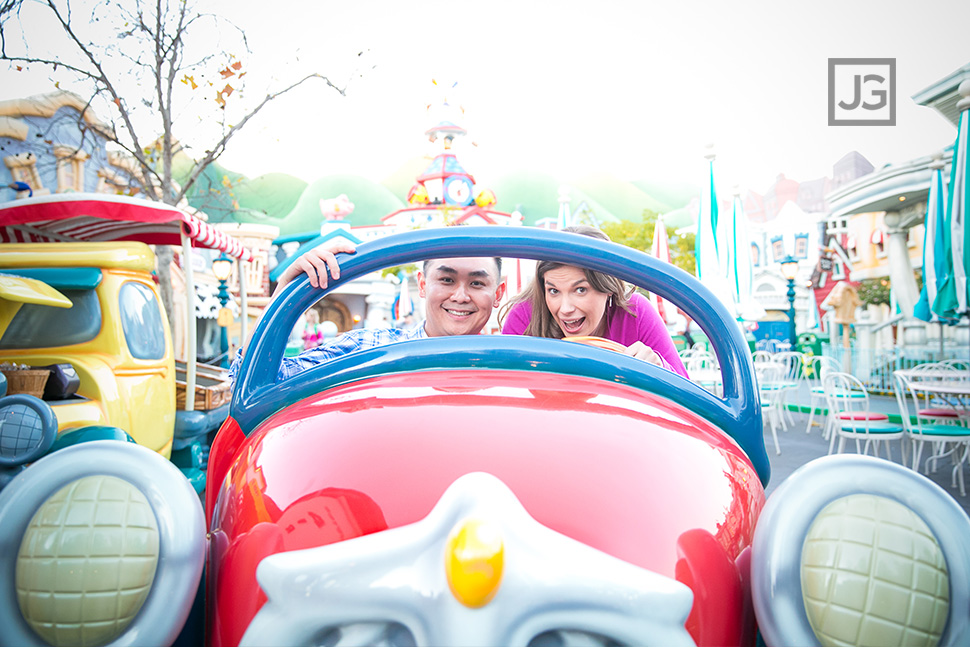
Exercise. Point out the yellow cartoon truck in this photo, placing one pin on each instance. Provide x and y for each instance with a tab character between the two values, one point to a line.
94	310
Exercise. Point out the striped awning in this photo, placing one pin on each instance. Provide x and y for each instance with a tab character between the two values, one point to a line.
208	236
95	217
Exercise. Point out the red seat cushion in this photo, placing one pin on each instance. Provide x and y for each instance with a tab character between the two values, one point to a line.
860	415
939	413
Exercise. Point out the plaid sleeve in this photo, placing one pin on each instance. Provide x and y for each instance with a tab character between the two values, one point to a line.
234	367
344	344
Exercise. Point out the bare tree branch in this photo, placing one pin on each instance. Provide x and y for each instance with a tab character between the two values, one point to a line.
161	37
154	38
220	147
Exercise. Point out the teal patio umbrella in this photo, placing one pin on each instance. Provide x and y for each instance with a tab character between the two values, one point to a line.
705	244
711	266
952	299
934	262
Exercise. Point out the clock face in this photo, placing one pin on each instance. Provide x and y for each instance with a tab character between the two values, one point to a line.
458	190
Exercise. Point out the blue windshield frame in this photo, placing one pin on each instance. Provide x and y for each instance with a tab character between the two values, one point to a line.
738	411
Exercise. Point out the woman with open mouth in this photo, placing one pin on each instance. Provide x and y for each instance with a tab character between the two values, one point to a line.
565	301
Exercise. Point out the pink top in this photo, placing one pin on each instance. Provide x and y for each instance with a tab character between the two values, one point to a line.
312	336
622	327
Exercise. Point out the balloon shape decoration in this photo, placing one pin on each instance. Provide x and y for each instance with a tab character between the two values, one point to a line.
418	195
485	198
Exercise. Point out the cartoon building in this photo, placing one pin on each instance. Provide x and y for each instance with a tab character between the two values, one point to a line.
54	144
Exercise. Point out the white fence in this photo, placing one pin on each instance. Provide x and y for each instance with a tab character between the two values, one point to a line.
875	367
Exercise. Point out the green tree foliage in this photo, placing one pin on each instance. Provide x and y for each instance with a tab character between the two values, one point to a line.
874	291
640	236
635	235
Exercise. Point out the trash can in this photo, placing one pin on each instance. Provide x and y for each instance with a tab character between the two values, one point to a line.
810	344
806	343
750	339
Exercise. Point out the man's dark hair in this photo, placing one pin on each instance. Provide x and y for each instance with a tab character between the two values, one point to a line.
498	266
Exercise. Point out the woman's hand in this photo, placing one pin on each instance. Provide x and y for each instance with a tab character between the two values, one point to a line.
641	351
316	262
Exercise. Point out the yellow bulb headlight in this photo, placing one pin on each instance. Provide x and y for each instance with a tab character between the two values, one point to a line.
474	562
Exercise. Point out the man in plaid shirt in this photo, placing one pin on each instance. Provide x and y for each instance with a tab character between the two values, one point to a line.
459	295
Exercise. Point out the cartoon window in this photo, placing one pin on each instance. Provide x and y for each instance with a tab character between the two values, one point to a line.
114	183
838	271
878	239
23	168
852	248
40	326
777	249
837	225
141	319
801	246
70	168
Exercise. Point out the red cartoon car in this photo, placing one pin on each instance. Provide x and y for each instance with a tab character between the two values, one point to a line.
495	489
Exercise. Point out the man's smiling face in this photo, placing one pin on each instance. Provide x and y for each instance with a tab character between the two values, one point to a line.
459	294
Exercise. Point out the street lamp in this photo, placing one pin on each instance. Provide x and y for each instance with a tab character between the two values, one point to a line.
222	268
789	268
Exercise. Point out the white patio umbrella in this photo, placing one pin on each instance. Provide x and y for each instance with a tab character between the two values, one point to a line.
736	250
952	298
661	249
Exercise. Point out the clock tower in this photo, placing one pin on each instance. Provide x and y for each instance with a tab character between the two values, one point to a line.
445	180
444	194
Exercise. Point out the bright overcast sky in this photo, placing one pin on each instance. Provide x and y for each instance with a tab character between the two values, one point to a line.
573	87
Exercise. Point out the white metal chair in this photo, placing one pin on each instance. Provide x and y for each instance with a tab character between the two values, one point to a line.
851	418
768	375
792	373
962	365
931	408
818	366
761	356
945	438
703	369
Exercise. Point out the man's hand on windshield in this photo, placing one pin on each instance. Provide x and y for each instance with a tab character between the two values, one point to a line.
316	263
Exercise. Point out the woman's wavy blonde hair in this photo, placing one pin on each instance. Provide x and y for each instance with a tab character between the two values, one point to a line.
542	323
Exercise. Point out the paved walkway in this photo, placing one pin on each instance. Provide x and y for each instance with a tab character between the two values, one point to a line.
798	448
